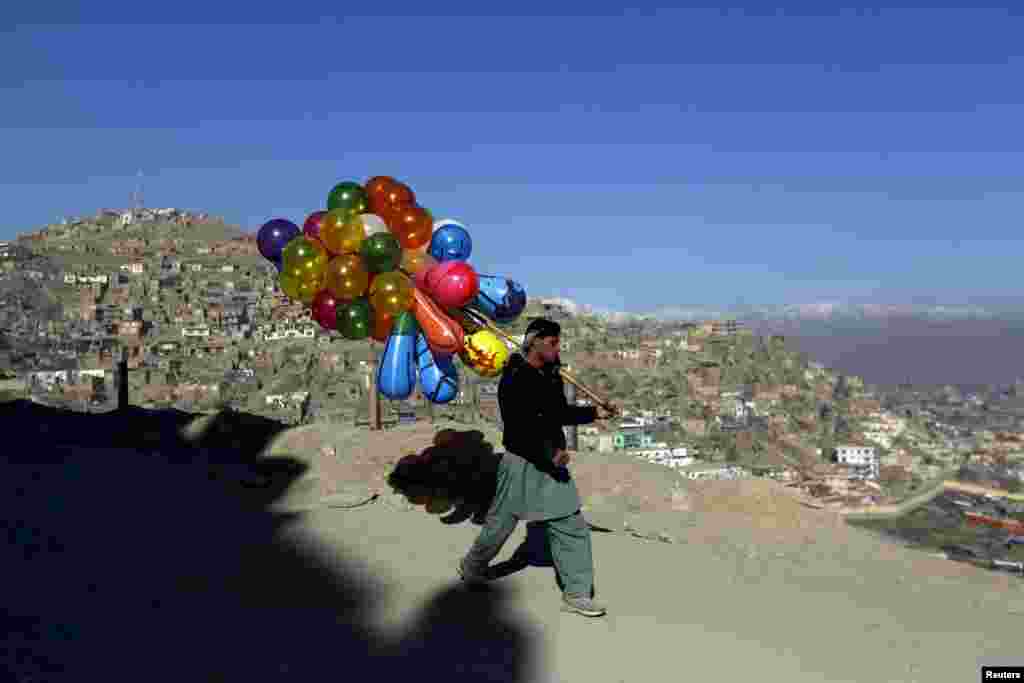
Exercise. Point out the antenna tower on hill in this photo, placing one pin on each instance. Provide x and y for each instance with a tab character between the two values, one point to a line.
136	198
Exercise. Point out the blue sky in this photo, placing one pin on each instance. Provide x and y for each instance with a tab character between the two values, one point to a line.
629	159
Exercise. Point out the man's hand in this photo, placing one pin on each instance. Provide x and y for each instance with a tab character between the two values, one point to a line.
561	457
608	412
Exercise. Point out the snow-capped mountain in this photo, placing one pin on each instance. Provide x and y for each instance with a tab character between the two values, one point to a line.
836	311
824	311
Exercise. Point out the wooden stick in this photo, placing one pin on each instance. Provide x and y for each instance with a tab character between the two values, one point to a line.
481	320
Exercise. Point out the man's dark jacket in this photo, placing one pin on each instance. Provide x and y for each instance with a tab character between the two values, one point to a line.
534	410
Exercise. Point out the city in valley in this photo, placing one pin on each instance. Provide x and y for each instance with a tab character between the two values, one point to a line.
179	309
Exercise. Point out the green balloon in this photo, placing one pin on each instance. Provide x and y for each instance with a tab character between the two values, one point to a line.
356	319
348	196
381	252
405	324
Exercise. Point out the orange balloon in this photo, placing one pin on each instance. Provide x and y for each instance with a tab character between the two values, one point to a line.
384	193
443	334
382	324
378	186
346	277
412	226
379	191
400	194
415	260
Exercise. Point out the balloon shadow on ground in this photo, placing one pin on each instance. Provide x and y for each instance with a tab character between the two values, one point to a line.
131	556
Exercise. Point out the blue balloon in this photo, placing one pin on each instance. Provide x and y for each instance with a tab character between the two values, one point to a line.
439	377
396	376
274	236
450	242
500	299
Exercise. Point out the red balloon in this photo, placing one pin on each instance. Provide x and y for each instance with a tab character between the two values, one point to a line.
324	309
314	221
453	284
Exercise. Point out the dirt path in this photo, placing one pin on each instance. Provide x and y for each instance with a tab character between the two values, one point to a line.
719	603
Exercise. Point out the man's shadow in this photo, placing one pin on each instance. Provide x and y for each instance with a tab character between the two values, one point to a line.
132	554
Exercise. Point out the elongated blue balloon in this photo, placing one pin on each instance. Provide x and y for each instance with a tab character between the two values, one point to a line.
500	299
439	378
396	376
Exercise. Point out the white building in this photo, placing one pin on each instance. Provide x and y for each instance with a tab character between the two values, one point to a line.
863	459
662	455
723	472
279	333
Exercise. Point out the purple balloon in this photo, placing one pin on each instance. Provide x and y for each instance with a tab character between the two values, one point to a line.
274	236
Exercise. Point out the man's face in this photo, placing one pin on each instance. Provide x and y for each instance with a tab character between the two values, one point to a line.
549	348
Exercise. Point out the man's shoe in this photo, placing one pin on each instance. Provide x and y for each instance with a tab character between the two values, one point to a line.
582	605
472	576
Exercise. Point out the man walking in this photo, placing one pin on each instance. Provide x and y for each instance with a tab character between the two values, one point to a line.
534	484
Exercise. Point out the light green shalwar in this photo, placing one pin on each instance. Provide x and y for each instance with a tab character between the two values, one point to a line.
528	494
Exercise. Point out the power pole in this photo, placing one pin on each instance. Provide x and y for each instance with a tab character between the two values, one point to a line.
137	200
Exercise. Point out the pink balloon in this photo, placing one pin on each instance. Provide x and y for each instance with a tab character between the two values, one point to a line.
452	284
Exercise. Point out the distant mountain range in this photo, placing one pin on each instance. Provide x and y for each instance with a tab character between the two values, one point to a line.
885	344
838	312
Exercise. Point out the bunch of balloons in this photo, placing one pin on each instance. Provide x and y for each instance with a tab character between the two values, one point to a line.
375	264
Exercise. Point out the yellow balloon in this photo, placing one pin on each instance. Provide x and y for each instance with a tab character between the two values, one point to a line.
391	293
347	277
308	288
485	353
352	235
289	285
330	229
303	253
308	263
341	232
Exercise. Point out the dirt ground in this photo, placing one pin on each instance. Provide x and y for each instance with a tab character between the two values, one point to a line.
169	561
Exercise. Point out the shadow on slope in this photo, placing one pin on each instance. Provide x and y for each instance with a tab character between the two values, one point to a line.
125	559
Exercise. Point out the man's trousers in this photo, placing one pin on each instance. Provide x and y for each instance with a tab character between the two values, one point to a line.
569	541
